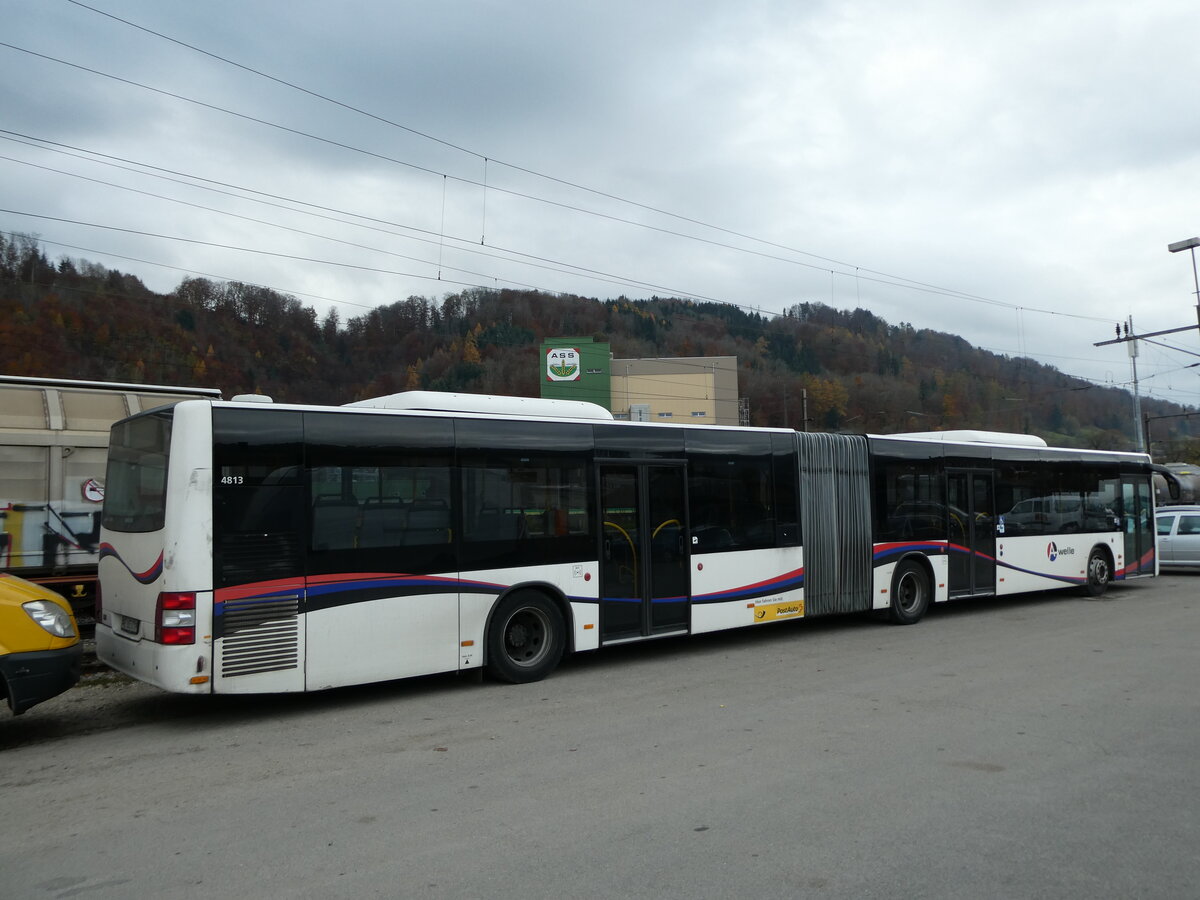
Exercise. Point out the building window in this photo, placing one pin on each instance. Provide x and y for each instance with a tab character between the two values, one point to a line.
699	414
665	415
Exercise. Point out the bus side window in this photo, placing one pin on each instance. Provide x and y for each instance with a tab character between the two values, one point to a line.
732	492
380	489
520	507
258	496
786	471
910	504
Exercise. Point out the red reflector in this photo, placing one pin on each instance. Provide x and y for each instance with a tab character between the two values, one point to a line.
175	617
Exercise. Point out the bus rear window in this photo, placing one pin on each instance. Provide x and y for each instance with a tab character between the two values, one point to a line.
135	489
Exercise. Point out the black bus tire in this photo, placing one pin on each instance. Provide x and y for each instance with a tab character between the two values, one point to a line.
1099	573
525	639
910	593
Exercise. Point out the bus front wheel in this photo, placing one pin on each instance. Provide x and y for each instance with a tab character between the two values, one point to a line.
910	593
526	638
1099	573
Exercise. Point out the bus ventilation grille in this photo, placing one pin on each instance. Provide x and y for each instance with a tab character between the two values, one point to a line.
261	635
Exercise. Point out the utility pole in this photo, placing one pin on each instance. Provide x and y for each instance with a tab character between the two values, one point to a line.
1131	338
1137	398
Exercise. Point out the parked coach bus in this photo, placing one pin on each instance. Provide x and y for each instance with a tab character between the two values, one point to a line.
53	445
254	547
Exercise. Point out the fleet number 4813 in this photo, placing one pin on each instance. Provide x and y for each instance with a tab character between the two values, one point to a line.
231	479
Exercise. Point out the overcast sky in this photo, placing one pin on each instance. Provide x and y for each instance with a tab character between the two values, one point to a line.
966	166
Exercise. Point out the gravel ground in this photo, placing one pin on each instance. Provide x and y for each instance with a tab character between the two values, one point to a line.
102	701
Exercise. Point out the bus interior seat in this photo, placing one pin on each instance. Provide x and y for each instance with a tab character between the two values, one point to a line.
496	525
383	522
427	524
334	522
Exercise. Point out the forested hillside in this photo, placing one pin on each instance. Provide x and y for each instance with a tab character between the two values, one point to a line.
75	319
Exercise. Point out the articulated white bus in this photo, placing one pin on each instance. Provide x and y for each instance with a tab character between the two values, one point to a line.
255	547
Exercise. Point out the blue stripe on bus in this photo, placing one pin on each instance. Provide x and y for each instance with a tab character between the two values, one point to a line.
409	584
1001	564
1065	579
1144	564
343	590
680	599
883	553
789	581
147	577
967	551
886	552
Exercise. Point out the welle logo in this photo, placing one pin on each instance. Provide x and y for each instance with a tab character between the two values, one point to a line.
1053	551
562	364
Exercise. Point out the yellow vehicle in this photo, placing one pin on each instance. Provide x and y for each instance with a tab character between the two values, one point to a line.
39	643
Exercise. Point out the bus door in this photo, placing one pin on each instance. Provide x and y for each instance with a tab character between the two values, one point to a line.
1138	526
644	581
971	508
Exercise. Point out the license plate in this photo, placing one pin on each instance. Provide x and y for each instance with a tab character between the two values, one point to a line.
130	625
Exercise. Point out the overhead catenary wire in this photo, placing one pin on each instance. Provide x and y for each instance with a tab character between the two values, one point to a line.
483	236
1039	398
335	263
890	278
454	146
599	275
194	272
683	363
251	219
881	278
1091	382
372	223
220	246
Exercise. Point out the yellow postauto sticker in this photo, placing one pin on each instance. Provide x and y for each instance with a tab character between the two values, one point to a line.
773	612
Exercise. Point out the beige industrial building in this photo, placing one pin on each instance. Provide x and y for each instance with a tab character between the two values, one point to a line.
699	390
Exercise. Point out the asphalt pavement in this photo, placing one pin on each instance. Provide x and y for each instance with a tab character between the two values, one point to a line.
1043	746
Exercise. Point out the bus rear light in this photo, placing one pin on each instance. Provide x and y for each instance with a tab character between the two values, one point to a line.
175	618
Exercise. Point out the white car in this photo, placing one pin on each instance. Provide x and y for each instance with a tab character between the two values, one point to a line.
1178	536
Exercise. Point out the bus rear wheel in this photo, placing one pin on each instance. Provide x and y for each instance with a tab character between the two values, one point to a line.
910	593
1099	573
526	638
